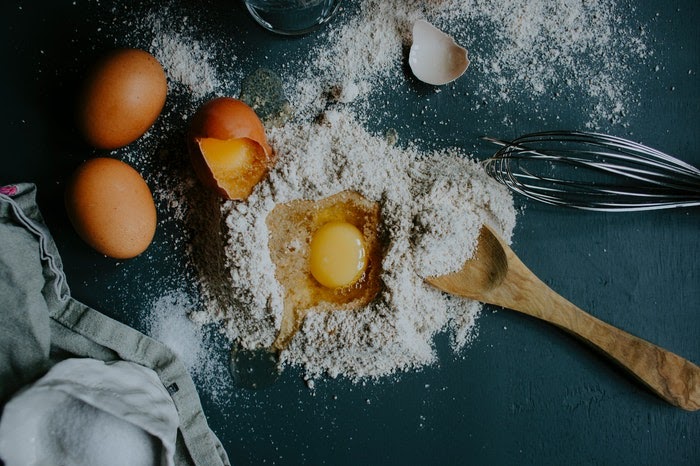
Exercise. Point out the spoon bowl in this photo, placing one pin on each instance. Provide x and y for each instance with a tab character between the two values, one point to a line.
495	275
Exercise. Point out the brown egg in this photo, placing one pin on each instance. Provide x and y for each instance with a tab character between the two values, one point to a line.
111	208
122	98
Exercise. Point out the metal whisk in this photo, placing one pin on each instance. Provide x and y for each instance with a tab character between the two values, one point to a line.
593	171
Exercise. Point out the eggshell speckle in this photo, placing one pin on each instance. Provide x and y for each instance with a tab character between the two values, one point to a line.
111	208
122	98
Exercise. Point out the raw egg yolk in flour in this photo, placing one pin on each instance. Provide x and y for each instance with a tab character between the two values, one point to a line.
327	255
337	256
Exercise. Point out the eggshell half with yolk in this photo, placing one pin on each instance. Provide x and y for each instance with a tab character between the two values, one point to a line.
228	147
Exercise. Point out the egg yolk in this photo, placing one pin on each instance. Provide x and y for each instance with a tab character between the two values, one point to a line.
337	256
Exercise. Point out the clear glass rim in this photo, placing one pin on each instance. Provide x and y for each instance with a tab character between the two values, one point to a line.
297	32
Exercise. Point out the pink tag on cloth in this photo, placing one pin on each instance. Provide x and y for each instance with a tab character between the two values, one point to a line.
9	190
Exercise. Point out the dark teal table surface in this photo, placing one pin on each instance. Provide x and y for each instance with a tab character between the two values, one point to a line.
523	392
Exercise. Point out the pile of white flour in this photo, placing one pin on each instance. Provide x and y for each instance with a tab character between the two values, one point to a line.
432	207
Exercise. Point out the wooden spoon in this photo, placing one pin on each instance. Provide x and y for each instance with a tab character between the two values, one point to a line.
496	276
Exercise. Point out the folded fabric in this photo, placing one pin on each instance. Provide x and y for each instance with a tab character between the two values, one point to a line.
41	324
88	412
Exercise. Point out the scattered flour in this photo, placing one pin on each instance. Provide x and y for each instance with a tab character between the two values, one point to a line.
432	203
168	321
522	51
527	53
432	207
184	60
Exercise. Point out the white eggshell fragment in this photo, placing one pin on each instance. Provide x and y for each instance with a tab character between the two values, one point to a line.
435	58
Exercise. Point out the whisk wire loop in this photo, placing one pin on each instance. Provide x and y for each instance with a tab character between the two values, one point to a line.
593	171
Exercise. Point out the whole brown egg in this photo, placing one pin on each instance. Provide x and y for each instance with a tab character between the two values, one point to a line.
122	98
111	207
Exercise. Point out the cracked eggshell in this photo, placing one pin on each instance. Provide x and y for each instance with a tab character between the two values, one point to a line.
435	58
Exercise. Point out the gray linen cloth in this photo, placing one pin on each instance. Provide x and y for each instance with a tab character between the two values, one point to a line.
41	325
86	412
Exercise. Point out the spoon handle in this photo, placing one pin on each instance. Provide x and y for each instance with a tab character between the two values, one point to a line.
673	378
